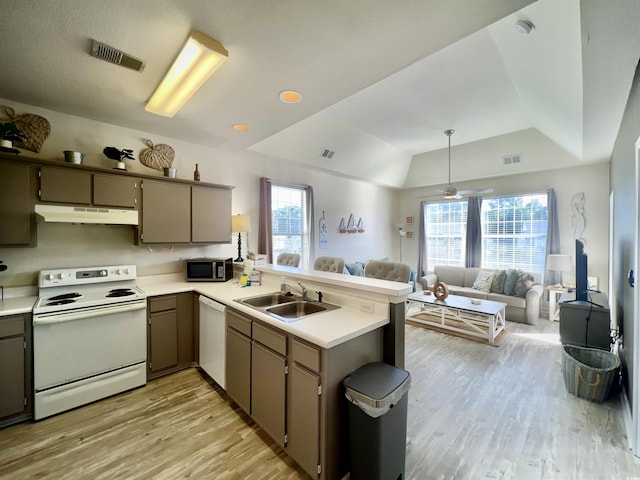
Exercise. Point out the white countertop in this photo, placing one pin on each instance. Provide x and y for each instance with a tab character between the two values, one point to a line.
17	305
325	330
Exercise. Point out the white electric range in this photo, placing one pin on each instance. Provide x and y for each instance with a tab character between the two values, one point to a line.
89	336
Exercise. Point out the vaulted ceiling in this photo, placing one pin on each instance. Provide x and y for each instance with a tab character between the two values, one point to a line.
380	79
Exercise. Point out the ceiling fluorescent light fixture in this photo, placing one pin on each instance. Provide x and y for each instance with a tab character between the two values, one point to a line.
198	59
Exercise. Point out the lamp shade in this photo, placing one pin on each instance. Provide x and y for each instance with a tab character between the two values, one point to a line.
240	224
559	263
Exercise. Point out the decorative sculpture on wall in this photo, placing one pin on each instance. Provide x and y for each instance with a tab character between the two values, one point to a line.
324	232
351	226
577	215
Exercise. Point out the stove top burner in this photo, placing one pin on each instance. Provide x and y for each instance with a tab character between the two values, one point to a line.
65	296
121	292
63	301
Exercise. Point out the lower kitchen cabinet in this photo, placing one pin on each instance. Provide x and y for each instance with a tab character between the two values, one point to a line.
238	361
171	334
268	381
305	390
293	389
15	369
304	418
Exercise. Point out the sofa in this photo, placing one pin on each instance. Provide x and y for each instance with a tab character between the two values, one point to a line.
520	290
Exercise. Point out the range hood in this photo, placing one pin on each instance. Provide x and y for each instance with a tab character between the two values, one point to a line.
71	214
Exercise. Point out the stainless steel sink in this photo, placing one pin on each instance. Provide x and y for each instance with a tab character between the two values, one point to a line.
287	308
296	309
267	300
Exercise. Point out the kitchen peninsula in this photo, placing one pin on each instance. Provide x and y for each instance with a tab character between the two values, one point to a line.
287	376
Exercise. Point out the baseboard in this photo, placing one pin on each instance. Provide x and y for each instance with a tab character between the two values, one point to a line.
626	416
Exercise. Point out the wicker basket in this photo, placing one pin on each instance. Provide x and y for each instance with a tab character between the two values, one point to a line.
589	372
157	157
35	128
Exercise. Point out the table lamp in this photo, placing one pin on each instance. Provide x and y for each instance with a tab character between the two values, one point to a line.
560	263
240	224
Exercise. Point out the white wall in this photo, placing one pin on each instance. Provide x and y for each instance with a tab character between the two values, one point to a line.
591	179
61	245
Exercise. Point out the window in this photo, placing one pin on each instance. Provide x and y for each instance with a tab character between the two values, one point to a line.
290	225
514	232
445	230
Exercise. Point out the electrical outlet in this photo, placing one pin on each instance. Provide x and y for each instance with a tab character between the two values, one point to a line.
366	307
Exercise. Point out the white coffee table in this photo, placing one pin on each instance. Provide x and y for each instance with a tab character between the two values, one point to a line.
484	320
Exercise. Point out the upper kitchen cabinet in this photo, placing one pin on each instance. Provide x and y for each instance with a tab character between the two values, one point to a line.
73	185
177	212
166	212
115	190
65	185
210	214
17	222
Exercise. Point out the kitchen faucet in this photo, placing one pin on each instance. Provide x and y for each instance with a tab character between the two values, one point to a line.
302	291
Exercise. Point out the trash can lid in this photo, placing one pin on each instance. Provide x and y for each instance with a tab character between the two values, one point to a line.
378	384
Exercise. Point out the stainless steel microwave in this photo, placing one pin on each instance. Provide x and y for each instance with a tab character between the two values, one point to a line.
209	269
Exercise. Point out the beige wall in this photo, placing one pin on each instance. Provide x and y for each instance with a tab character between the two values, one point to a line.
61	245
592	179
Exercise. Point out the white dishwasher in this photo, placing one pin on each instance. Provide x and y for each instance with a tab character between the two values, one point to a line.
213	339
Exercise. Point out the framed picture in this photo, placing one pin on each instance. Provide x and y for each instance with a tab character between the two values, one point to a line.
594	283
409	234
409	221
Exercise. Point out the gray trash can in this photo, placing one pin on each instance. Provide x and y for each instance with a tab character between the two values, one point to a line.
377	395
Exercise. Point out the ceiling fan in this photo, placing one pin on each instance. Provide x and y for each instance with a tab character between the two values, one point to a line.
450	192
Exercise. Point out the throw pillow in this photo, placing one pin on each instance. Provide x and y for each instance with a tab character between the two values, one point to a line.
355	268
497	286
483	281
510	281
523	283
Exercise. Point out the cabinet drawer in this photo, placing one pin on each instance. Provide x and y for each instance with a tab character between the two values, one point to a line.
305	355
270	338
239	322
160	304
11	326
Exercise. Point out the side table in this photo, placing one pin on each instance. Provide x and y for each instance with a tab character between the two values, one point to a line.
555	291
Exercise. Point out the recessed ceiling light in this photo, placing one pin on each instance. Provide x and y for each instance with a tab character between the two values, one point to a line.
290	96
241	127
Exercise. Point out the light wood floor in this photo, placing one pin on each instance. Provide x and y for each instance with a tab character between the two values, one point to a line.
475	412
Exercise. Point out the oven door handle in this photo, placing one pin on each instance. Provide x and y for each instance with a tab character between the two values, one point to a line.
92	312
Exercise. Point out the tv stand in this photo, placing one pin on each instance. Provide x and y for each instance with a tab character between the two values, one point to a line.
585	323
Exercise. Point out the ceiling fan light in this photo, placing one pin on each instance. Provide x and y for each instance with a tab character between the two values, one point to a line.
450	192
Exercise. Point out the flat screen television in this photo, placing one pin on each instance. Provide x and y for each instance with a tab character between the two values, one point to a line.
582	282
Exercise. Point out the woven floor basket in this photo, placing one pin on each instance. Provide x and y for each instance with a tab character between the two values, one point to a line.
589	372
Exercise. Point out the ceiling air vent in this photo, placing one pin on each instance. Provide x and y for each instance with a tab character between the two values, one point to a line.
512	159
326	153
115	56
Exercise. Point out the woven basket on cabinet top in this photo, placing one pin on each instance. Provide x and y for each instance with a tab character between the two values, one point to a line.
157	157
35	128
